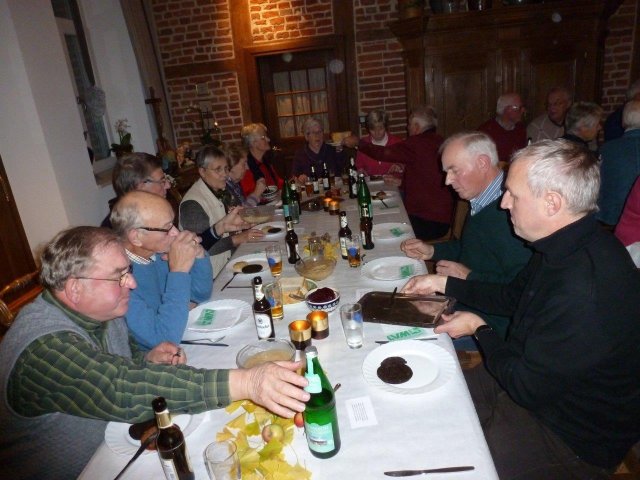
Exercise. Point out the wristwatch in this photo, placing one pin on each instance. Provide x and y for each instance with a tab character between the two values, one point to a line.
482	328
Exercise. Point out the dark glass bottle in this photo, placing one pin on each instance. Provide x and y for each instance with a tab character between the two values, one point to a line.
364	197
314	180
262	311
291	240
343	234
366	228
353	178
171	446
325	177
294	202
286	200
320	415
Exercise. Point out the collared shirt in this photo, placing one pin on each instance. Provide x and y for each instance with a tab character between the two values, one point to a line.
58	372
138	259
493	191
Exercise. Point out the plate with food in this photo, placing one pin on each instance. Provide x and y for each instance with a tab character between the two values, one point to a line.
389	197
294	289
272	230
259	214
217	315
408	367
390	232
118	435
248	264
392	269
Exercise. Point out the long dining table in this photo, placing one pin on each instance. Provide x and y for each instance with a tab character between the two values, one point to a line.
381	429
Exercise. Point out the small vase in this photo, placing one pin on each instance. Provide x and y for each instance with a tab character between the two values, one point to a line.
121	150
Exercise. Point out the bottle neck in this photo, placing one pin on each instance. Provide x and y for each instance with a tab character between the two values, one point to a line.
163	419
257	291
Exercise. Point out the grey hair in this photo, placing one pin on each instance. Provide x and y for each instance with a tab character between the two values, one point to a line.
634	89
131	170
309	123
568	94
505	100
475	143
425	116
377	117
208	153
249	133
582	114
234	152
564	167
631	115
125	215
71	254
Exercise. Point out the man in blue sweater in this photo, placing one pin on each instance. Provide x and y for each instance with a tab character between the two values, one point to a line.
487	249
171	268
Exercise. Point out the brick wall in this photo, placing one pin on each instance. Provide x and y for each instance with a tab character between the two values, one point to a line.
618	51
223	94
191	31
289	19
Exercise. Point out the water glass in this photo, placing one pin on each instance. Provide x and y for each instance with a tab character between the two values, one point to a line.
352	324
221	459
273	294
274	258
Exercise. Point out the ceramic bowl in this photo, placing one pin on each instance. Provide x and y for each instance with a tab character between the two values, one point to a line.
262	351
316	268
326	305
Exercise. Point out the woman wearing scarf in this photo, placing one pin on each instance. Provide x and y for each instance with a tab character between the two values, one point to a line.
204	209
259	160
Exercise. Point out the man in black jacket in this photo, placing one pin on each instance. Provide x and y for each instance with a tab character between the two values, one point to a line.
563	396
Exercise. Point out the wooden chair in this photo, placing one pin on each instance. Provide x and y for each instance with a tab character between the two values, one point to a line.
15	295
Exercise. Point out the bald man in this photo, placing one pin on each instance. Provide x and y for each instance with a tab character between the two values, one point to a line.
171	268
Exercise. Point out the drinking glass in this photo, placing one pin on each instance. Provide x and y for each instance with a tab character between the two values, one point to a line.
273	294
274	258
352	325
353	250
221	459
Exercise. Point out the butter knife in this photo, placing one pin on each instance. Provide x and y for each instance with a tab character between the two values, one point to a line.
408	473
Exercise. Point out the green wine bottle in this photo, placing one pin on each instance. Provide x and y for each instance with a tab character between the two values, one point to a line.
286	199
364	198
320	415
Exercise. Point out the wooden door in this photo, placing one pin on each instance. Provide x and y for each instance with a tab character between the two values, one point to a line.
15	255
298	85
460	86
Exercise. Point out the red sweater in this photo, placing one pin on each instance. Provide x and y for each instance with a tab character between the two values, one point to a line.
507	141
426	195
628	228
370	165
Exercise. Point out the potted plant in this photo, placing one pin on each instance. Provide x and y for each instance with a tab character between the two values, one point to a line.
125	145
410	8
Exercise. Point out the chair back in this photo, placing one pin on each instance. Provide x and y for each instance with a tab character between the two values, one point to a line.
15	295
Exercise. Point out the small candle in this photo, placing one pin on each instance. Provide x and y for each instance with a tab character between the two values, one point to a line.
319	324
326	202
334	207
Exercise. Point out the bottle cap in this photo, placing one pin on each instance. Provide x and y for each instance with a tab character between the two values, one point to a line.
313	378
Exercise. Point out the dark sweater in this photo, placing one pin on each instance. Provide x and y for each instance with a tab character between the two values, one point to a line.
490	249
572	356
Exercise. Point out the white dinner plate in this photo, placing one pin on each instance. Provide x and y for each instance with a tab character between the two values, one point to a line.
391	232
117	437
272	236
252	259
392	269
431	364
228	313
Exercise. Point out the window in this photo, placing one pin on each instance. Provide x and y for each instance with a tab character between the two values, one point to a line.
89	104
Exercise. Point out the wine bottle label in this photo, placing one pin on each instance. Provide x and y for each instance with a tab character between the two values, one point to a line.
285	210
169	469
320	437
263	324
296	249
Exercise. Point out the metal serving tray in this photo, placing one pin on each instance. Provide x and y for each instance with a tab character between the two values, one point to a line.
403	309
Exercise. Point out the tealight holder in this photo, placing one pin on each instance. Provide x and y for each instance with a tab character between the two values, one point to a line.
319	324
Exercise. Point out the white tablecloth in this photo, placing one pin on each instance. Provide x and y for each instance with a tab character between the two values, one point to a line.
435	429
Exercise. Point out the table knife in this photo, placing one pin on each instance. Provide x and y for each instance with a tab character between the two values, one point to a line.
206	344
408	473
151	438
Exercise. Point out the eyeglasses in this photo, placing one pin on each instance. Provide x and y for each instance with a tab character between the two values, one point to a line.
122	279
157	229
516	107
164	179
219	170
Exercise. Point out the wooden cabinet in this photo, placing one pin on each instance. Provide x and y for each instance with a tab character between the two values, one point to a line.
462	62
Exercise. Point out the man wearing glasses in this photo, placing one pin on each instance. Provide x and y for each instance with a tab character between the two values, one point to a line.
171	268
138	171
506	128
68	366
